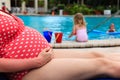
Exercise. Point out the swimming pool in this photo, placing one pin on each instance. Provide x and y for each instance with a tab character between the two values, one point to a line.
64	24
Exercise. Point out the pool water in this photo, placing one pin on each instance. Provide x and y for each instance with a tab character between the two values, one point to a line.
64	24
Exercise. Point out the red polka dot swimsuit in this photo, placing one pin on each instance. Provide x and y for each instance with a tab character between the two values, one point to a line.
19	42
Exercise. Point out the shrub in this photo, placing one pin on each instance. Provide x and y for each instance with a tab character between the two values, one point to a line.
75	8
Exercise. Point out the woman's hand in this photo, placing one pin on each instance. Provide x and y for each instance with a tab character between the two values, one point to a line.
25	64
45	56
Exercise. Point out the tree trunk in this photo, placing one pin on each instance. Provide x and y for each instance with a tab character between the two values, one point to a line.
82	2
23	7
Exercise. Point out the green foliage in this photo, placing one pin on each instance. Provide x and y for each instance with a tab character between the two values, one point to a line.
113	9
52	3
61	6
85	10
74	9
41	3
78	8
100	8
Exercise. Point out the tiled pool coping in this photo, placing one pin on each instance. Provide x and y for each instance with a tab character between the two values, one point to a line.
89	44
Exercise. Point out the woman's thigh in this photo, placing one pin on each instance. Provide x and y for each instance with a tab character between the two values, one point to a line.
53	70
63	69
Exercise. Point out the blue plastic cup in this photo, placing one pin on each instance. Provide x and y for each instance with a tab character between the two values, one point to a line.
47	35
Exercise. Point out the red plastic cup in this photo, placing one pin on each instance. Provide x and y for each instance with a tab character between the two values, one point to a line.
58	37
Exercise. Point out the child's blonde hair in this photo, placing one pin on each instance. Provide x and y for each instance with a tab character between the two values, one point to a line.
79	19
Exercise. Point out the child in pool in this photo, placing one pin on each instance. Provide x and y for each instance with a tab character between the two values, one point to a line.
111	28
79	28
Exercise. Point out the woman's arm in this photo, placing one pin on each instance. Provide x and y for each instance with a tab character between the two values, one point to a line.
13	65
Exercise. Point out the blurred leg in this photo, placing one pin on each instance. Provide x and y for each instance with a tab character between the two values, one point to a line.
76	54
85	54
68	69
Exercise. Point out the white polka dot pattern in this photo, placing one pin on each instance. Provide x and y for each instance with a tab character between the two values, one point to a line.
19	42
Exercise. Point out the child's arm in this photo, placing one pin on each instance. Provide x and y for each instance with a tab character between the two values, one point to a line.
73	32
114	30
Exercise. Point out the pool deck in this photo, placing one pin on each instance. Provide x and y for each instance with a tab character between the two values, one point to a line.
89	44
105	46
